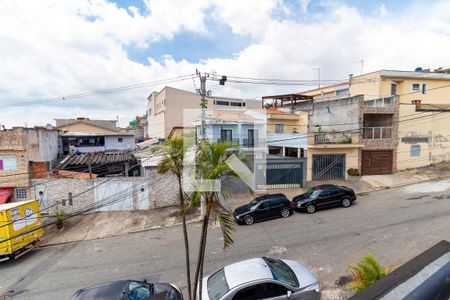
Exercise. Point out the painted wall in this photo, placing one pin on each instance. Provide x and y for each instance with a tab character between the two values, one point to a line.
83	127
429	130
112	143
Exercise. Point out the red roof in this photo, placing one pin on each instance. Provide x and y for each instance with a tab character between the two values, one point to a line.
5	193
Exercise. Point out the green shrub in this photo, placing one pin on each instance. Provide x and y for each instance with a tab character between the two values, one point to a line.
365	273
353	172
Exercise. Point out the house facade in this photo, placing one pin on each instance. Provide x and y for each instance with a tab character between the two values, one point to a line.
167	109
25	153
84	135
420	129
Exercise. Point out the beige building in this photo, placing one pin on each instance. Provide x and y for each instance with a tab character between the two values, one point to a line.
25	153
173	108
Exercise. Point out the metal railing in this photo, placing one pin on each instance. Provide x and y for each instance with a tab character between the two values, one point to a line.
332	138
381	102
377	133
234	141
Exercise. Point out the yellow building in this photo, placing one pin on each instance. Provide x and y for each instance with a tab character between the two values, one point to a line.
424	112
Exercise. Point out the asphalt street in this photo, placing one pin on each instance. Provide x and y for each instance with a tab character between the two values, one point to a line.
394	225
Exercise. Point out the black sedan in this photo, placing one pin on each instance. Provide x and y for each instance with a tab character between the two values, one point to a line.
263	208
323	196
129	290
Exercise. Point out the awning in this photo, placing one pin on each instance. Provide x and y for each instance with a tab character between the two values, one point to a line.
5	193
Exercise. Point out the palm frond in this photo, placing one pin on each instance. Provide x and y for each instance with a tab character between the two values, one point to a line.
227	225
364	273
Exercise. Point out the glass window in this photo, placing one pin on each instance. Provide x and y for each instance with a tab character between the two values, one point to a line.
415	150
226	135
120	140
264	205
20	193
281	271
246	294
416	87
8	162
324	194
225	103
138	290
217	285
335	192
235	103
424	88
279	128
270	290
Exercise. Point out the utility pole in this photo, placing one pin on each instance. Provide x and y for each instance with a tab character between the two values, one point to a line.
203	103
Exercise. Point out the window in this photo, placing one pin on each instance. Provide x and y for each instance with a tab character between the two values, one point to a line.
424	88
271	290
393	89
246	294
217	285
94	141
416	87
279	128
415	150
20	193
225	103
8	162
235	103
264	205
342	92
120	140
335	192
281	271
226	134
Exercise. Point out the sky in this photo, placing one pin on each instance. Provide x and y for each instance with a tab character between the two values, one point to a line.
52	49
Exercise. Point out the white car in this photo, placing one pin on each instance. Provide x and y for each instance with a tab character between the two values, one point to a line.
261	278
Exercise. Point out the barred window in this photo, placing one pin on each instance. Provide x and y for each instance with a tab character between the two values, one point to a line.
415	150
20	193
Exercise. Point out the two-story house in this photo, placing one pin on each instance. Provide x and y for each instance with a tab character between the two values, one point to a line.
25	153
173	108
84	135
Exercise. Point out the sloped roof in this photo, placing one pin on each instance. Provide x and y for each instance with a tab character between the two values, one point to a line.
104	124
97	158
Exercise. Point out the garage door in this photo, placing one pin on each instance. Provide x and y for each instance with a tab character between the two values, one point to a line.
330	166
377	162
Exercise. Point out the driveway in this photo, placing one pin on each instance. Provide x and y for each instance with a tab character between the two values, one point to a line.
394	225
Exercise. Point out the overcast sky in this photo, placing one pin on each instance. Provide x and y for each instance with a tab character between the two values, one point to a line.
56	48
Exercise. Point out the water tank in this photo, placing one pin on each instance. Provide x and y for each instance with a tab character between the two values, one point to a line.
418	69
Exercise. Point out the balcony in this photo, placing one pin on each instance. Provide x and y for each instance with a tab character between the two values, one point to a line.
377	133
234	141
332	138
380	102
252	142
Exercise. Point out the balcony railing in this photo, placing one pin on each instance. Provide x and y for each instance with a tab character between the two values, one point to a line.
332	138
249	143
380	102
234	141
377	133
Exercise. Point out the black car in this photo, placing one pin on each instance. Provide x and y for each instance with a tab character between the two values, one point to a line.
323	196
129	290
263	208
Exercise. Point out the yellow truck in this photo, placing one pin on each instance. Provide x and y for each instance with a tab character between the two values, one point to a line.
20	228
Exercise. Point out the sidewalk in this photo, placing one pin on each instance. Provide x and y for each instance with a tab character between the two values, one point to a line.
105	224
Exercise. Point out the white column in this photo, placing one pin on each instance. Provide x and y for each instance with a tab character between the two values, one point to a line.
284	151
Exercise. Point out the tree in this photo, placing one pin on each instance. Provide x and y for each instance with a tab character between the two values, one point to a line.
211	165
173	151
364	273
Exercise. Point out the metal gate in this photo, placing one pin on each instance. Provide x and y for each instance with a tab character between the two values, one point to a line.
328	166
284	174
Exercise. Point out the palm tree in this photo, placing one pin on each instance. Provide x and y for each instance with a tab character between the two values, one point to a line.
173	151
364	273
211	165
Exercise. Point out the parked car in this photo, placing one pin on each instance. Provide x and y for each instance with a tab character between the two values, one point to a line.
323	196
261	278
129	290
263	208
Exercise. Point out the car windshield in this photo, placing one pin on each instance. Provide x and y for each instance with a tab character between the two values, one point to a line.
138	290
254	202
281	271
312	193
217	285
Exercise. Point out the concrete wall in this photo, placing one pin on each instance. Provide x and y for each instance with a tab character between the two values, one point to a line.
112	142
41	144
429	130
132	193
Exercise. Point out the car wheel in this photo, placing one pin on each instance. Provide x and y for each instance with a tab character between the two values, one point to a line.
346	202
249	220
310	209
285	213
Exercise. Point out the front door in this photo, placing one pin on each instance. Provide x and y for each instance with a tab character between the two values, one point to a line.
251	138
263	211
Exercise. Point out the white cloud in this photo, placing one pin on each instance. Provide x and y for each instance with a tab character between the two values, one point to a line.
51	48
